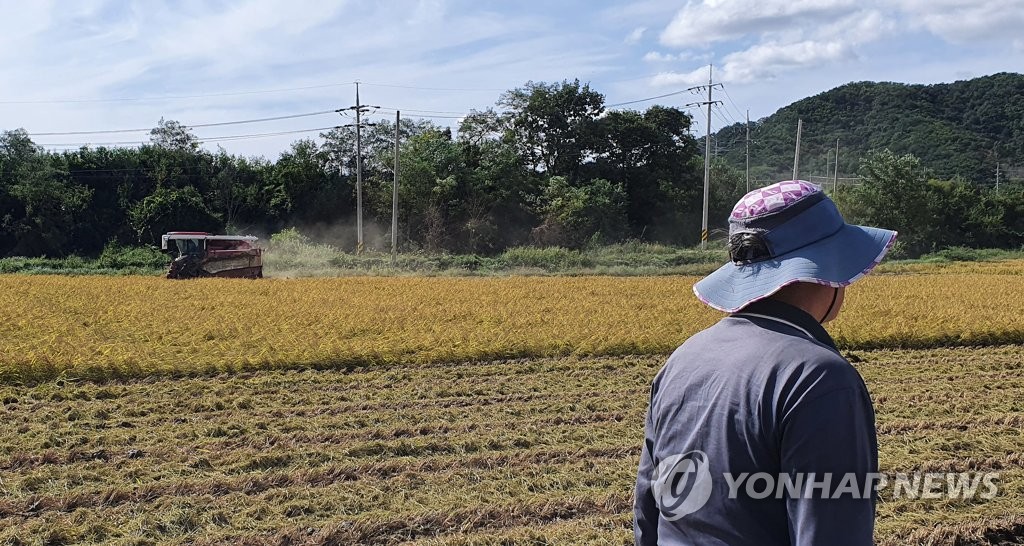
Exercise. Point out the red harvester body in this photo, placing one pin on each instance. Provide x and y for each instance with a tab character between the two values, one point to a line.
201	254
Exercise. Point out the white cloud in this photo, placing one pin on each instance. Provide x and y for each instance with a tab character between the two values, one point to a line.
241	32
860	27
760	62
637	12
763	39
767	61
697	76
710	21
636	35
962	21
102	49
659	57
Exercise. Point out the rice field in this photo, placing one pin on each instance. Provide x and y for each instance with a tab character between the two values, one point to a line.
446	411
538	451
119	327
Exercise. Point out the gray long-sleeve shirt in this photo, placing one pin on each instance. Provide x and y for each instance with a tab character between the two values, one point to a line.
758	433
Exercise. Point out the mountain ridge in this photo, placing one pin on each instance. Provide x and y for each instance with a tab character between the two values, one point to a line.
960	129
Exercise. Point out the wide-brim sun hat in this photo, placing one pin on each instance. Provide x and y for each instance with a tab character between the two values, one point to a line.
799	236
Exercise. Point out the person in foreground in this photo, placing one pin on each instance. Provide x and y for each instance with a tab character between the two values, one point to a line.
759	432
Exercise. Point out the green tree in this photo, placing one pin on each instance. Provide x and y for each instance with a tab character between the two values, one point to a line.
552	124
431	171
307	189
651	153
172	135
894	194
576	215
172	209
39	202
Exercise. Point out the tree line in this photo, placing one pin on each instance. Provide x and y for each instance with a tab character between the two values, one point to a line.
548	165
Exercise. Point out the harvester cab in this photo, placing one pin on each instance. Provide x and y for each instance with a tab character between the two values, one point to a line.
201	254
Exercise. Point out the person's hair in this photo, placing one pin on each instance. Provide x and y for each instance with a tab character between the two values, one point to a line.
748	246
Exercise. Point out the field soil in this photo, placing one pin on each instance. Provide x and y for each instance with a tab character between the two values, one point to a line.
529	451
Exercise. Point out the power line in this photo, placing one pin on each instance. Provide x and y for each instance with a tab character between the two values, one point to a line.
406	86
173	97
731	102
397	86
431	116
645	99
464	114
718	114
261	135
419	113
722	108
270	91
427	111
198	139
197	126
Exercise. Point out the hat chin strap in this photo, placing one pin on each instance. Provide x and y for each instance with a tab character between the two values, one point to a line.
835	296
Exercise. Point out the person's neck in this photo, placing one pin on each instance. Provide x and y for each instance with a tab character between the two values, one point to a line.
812	306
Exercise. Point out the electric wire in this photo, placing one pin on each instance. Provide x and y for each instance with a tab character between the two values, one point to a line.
173	97
415	113
198	139
733	103
197	126
617	104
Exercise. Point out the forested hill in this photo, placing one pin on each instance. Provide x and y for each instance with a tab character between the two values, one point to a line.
958	129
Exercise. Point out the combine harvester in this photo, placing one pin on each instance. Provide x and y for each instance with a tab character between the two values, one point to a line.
200	254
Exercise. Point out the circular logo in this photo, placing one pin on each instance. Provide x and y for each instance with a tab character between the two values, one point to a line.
682	484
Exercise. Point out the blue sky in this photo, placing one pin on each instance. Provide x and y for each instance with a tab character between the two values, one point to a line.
88	65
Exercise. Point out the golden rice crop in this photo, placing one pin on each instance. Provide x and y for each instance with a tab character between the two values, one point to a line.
98	327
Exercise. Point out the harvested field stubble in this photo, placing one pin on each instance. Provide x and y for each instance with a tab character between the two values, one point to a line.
539	451
107	327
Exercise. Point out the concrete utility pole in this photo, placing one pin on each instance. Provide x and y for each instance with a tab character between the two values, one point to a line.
748	151
359	110
828	163
394	196
359	176
835	177
707	152
796	156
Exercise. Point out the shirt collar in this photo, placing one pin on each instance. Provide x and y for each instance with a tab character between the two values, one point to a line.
796	317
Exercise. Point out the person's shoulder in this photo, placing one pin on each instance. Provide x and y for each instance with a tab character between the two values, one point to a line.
695	351
696	343
810	370
815	355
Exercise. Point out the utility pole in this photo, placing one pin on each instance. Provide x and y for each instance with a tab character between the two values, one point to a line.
748	150
997	176
394	196
828	163
796	156
835	177
358	173
359	110
707	152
